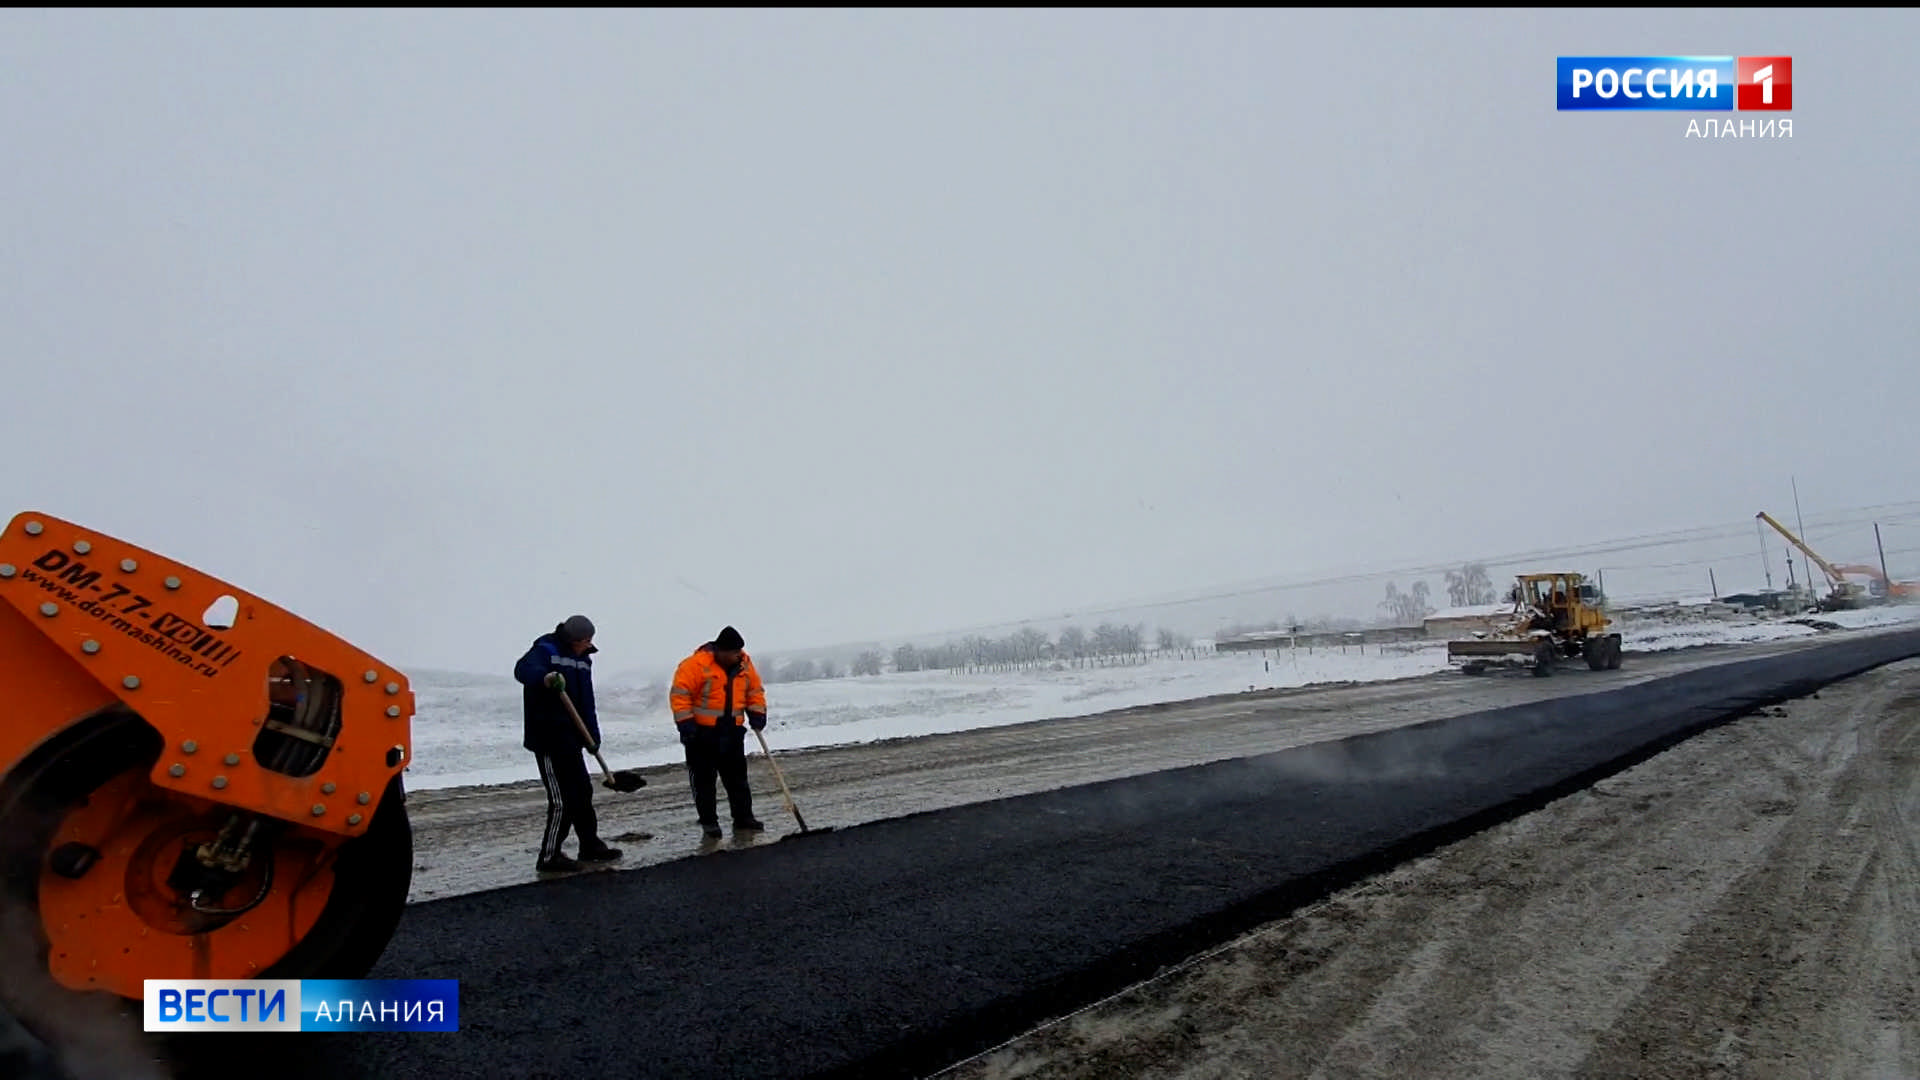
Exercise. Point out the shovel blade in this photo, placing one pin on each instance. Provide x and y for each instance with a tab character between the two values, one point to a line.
625	781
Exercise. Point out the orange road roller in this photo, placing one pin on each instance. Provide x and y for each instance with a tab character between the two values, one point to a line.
194	783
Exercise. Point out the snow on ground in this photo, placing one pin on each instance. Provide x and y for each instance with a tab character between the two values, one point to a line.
1662	634
467	727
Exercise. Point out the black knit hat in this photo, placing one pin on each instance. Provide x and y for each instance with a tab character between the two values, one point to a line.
729	639
576	628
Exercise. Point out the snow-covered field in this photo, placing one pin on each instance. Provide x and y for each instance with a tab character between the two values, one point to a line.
467	727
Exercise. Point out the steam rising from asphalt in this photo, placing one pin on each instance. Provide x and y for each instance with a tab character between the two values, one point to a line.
1360	760
48	1032
1369	760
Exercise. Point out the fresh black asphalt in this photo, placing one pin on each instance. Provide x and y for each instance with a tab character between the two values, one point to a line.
897	947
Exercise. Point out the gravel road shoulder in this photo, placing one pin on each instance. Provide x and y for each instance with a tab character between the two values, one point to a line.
1745	904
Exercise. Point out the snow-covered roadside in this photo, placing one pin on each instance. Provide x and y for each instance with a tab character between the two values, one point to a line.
1661	635
467	727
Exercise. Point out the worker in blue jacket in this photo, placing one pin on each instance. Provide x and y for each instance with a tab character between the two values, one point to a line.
559	664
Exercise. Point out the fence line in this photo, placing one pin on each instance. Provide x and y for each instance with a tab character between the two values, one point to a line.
1082	663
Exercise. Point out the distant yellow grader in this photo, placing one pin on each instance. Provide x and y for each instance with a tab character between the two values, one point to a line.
1556	616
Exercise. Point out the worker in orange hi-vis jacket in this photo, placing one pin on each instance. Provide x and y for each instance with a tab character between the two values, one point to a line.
716	694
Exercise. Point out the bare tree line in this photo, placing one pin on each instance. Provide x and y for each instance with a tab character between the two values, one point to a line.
1469	585
1024	646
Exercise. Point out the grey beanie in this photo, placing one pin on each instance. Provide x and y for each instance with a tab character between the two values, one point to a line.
577	627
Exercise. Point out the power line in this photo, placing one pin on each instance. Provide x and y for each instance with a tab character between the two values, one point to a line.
1899	511
1710	561
1678	565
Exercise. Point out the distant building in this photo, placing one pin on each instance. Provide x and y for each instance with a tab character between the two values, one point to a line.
1465	621
1790	601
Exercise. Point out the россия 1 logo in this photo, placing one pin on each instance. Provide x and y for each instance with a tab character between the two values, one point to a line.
1684	83
1766	83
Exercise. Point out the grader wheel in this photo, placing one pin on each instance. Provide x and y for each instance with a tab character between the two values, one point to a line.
1602	653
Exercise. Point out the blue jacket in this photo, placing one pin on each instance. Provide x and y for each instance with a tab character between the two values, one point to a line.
549	730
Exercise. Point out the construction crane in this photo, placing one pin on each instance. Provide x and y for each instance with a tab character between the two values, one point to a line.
1892	590
1845	594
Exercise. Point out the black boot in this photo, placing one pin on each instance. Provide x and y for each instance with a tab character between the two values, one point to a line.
598	852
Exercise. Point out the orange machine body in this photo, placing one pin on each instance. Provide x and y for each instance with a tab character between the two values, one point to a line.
234	688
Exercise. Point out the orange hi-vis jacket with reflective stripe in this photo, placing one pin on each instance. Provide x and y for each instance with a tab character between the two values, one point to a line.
703	692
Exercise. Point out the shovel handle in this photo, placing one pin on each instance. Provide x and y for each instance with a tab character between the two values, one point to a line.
788	795
585	735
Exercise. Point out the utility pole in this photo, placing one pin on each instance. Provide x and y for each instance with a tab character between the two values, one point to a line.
1802	524
1714	584
1888	578
1797	519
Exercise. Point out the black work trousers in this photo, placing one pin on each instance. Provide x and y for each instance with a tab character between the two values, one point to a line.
719	750
569	803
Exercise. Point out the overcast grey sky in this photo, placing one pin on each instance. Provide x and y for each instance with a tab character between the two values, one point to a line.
436	327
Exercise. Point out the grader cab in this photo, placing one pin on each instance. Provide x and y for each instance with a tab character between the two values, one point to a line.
1556	617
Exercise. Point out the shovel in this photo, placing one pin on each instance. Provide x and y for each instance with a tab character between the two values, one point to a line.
788	795
625	780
